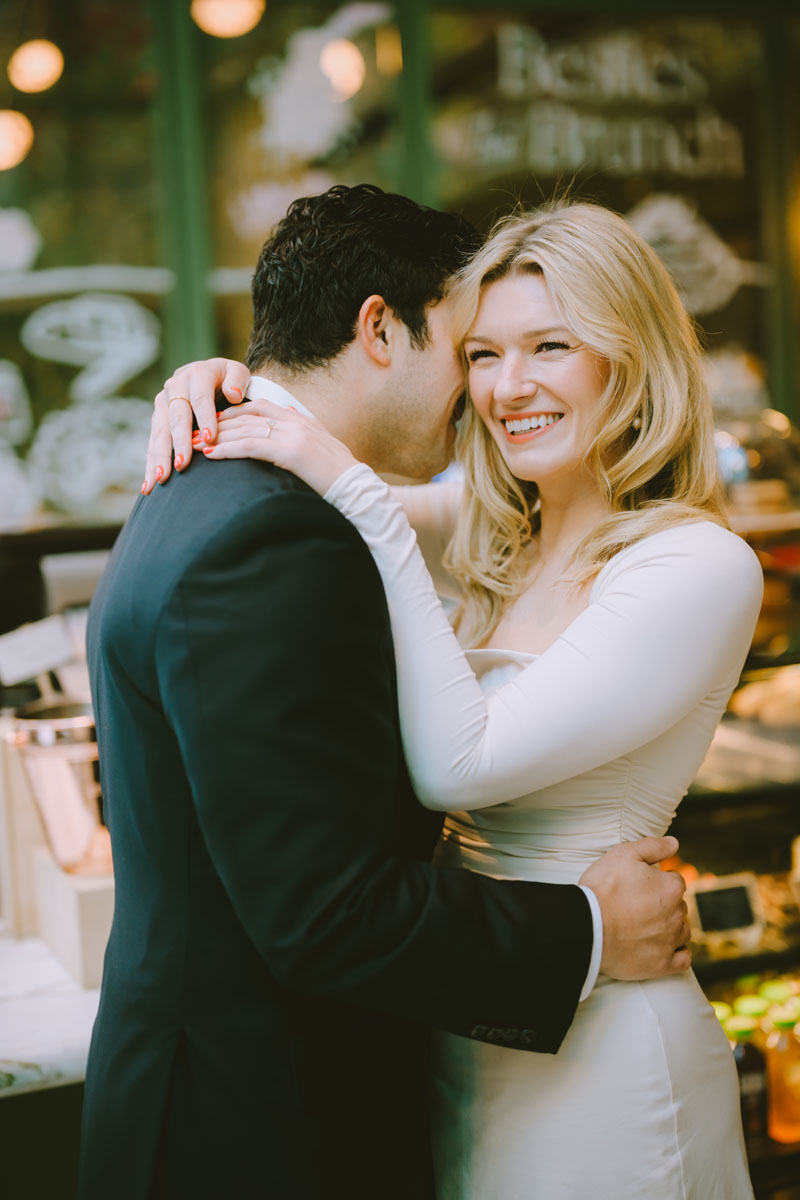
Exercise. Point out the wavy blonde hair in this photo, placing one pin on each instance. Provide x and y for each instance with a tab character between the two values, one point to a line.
615	295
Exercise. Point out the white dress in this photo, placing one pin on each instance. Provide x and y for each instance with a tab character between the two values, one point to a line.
543	763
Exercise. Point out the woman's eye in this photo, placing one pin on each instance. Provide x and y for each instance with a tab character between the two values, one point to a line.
552	346
474	355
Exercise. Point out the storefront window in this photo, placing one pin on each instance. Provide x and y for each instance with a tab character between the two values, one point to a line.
163	156
81	285
309	99
657	118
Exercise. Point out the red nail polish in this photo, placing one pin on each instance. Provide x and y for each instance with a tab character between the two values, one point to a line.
144	487
206	435
159	473
178	461
235	389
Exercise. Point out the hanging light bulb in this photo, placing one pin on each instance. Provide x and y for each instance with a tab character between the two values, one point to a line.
227	18
35	66
16	137
343	64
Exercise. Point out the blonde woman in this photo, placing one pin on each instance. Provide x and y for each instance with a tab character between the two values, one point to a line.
605	611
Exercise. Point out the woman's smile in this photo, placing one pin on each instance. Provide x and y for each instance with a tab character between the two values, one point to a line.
523	427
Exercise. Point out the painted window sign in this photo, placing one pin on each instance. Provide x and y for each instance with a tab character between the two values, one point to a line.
623	102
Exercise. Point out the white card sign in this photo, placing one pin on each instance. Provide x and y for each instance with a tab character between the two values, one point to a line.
33	649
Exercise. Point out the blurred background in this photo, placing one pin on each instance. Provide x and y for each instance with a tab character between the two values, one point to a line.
147	147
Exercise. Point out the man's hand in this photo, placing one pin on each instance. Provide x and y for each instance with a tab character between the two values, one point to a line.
645	918
189	392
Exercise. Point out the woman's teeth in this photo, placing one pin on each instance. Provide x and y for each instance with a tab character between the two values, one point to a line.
526	424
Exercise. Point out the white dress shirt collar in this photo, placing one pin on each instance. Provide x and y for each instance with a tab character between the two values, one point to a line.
260	388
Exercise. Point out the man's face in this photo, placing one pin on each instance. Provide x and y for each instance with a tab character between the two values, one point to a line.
414	432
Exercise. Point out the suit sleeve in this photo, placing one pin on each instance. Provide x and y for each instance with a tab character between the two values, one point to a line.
276	660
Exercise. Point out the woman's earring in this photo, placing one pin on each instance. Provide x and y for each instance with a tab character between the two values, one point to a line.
637	422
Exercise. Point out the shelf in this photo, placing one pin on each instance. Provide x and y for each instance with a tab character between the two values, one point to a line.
753	524
57	539
722	970
776	1167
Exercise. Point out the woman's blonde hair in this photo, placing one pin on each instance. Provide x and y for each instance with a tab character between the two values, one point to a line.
616	296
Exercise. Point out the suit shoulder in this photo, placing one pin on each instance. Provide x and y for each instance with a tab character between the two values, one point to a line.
296	509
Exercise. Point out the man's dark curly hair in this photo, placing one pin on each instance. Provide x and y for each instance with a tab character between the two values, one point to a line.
332	251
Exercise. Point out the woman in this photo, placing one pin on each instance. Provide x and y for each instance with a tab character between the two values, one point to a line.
607	610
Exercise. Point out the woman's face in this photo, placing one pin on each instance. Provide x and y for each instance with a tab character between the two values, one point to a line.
534	384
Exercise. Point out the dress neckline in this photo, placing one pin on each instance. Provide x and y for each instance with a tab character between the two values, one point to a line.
524	656
501	652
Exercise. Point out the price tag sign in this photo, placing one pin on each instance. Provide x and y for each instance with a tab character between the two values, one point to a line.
33	649
727	908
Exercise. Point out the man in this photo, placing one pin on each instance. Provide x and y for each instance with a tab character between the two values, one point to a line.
280	942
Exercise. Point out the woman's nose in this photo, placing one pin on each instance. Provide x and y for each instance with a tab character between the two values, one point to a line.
514	381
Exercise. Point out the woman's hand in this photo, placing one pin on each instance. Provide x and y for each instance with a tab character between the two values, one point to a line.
189	392
283	436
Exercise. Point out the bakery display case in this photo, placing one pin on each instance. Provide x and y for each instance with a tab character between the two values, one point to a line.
739	825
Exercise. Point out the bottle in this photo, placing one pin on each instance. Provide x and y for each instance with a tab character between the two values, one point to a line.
783	1074
751	1068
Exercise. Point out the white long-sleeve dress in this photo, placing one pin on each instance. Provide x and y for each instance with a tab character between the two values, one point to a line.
542	763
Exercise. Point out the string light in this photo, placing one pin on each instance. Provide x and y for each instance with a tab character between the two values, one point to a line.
343	64
35	66
16	138
227	18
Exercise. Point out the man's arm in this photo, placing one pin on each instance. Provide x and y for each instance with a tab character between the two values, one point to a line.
276	666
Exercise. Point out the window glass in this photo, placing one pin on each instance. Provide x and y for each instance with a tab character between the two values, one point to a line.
308	99
658	118
80	282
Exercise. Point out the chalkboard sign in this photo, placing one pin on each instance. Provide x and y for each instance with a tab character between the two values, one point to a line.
726	906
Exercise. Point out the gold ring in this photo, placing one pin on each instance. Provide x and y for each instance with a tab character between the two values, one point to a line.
174	398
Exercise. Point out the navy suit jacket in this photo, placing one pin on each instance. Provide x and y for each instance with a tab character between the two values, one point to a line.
280	943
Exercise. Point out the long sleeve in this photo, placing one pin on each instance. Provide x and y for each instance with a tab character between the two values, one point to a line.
431	509
669	623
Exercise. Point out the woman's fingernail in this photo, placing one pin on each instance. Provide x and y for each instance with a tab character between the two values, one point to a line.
178	461
159	473
206	435
237	390
144	487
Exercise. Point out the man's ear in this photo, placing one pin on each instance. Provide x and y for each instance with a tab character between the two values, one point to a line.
376	329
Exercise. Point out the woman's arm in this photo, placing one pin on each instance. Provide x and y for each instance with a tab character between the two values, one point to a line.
188	397
431	510
672	624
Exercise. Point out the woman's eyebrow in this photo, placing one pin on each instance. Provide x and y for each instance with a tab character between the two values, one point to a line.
530	334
